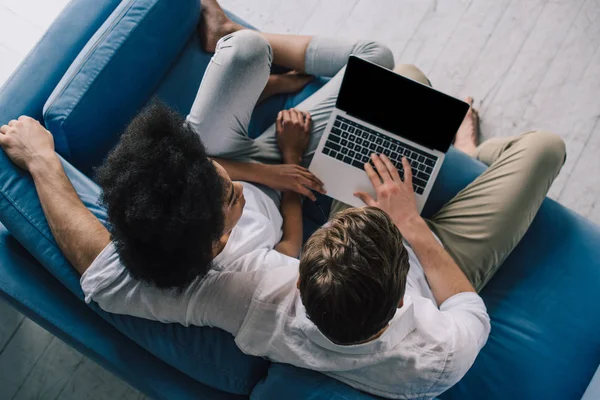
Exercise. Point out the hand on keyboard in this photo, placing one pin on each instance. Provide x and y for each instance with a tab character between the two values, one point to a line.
395	196
351	143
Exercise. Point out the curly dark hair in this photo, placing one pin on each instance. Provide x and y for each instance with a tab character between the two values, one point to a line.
164	198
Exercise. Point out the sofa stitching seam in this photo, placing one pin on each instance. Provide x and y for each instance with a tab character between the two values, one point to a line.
85	61
27	216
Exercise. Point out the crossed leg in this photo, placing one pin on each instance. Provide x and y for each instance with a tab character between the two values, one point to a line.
485	221
238	73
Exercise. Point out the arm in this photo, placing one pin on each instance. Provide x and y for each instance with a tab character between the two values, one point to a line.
77	231
291	210
281	177
397	199
293	132
443	275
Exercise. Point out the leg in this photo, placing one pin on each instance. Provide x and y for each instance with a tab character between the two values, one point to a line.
231	86
288	50
409	71
484	222
315	56
324	57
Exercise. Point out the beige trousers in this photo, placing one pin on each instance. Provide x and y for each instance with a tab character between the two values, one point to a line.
484	222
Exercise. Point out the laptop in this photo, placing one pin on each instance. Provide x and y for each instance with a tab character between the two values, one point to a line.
380	111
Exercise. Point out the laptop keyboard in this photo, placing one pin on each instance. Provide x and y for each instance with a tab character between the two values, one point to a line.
354	143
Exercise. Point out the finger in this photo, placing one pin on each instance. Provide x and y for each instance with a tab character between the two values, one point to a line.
407	171
391	168
381	168
287	118
296	119
279	120
373	176
366	198
311	184
4	129
12	122
312	176
314	183
303	190
307	121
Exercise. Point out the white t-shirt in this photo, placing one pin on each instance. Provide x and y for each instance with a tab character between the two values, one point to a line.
251	293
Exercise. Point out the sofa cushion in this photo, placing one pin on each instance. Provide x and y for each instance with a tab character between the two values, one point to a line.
27	286
114	76
76	113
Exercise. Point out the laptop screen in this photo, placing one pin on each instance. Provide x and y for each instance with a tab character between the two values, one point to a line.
400	105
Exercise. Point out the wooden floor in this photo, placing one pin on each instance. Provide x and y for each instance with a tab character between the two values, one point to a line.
529	64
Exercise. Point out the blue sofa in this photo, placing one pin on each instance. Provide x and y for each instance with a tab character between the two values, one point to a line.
102	61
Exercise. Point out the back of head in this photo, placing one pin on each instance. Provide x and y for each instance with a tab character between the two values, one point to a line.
164	199
353	275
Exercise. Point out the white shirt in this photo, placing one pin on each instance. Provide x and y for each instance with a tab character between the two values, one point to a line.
251	293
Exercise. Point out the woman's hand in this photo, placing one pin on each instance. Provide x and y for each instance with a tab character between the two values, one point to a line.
291	177
293	134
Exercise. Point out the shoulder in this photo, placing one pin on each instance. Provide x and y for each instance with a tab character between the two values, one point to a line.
461	327
102	272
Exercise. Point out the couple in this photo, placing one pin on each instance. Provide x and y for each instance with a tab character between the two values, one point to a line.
380	299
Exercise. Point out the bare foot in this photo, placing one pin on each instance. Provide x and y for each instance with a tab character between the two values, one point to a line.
290	82
214	24
468	133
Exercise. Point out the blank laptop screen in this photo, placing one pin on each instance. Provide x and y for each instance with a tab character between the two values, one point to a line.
400	105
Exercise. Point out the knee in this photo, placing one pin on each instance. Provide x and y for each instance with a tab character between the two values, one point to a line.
248	47
549	148
412	72
375	52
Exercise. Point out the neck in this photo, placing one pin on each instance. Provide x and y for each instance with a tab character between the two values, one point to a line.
375	336
220	244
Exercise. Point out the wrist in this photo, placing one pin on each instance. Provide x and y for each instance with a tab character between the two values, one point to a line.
43	164
292	158
412	228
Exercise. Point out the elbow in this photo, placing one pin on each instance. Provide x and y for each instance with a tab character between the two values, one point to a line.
288	249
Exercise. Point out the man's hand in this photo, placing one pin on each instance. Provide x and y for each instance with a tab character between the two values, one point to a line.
397	199
25	141
293	178
293	133
78	233
394	196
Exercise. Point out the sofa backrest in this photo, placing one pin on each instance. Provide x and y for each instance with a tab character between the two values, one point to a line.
115	75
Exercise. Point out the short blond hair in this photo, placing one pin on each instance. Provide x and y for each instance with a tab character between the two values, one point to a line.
353	274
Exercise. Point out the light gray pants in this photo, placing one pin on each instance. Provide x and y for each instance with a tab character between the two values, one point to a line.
237	75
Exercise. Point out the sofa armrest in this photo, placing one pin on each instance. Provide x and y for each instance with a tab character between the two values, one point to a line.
29	288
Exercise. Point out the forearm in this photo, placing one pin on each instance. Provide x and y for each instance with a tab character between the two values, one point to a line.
243	171
291	210
445	277
78	233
